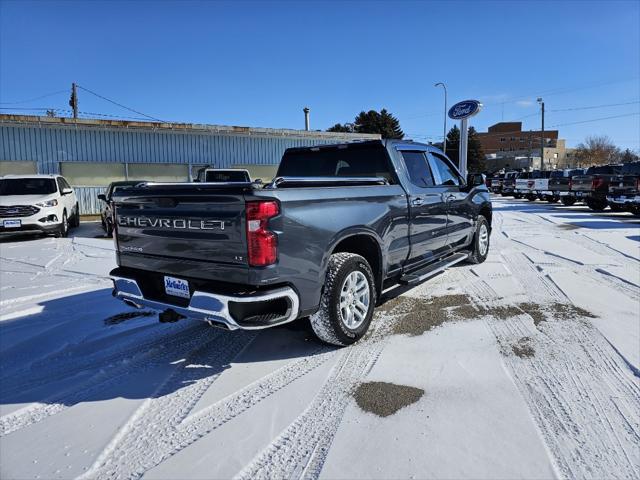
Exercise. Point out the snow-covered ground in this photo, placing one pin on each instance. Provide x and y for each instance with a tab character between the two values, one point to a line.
510	379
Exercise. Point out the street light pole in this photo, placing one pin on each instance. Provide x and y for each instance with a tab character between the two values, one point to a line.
541	102
444	136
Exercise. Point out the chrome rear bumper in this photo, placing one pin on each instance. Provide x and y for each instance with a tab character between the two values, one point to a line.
212	307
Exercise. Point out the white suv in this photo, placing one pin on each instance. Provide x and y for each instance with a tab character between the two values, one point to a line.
39	203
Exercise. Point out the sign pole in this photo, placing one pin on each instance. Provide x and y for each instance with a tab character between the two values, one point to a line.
462	151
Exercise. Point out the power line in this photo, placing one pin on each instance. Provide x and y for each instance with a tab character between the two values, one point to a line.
597	119
120	105
594	106
35	98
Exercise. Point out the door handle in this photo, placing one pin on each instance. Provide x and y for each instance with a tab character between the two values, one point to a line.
417	202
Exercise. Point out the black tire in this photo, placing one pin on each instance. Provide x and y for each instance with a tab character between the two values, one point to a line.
568	201
63	230
328	322
596	205
517	196
615	207
552	199
75	219
635	210
480	252
531	197
109	229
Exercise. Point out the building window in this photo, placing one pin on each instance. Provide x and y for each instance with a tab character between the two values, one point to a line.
513	139
92	174
502	139
522	139
159	172
18	168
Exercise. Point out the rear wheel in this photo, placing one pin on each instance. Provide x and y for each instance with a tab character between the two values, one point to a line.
531	197
347	302
635	209
481	240
552	199
596	205
517	196
568	201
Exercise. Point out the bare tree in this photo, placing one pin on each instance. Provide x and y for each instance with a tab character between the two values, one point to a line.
596	150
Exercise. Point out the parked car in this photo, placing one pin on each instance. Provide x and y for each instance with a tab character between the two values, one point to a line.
496	183
560	185
223	175
37	203
106	216
524	185
337	225
624	189
509	184
593	186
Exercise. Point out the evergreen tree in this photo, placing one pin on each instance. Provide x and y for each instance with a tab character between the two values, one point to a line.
475	154
381	122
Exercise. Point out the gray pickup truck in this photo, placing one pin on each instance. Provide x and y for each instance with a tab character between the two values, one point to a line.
338	225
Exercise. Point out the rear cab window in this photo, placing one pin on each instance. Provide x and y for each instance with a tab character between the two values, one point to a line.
353	160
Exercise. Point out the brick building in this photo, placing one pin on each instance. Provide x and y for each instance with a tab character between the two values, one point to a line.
506	145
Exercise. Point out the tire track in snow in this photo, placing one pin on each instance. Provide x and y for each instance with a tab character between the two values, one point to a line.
580	392
163	427
165	351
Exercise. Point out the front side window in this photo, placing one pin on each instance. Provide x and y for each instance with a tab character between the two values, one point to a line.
27	186
448	175
418	168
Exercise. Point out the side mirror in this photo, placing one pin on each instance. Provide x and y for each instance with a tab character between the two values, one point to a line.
67	191
102	197
475	180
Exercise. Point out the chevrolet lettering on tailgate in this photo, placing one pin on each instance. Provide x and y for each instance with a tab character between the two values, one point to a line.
173	223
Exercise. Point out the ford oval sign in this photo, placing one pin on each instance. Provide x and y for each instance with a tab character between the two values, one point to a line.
465	109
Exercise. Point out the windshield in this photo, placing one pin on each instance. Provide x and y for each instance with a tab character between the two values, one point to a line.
27	186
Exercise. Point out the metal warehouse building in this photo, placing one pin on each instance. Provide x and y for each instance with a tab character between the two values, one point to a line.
93	153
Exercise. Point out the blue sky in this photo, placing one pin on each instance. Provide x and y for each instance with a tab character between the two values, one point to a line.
259	64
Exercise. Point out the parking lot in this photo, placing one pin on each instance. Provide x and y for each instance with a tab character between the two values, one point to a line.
526	366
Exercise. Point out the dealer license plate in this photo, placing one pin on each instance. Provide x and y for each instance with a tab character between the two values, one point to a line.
176	287
12	223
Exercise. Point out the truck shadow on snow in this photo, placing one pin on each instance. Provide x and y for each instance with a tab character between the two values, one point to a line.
89	348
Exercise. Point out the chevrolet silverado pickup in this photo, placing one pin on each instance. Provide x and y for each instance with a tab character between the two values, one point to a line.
336	226
592	187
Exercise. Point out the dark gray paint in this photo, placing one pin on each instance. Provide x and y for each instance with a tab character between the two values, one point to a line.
312	222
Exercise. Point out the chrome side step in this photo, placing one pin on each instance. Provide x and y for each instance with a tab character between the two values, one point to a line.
433	269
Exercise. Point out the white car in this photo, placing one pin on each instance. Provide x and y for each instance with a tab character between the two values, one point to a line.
37	203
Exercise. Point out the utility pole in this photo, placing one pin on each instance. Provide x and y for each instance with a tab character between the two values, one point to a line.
73	101
444	132
541	102
306	118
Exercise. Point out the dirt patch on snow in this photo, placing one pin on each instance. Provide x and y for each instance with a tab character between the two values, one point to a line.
421	315
384	399
523	348
560	311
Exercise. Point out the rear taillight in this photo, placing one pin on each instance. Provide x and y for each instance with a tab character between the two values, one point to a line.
597	183
262	244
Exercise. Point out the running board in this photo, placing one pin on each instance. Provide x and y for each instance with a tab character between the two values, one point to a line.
433	269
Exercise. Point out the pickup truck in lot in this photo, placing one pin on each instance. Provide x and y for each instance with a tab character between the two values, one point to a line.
509	184
560	185
496	183
525	182
593	186
338	225
541	185
624	189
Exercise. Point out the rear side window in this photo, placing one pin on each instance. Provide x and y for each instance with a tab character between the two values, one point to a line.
226	176
418	168
602	170
448	176
631	168
354	160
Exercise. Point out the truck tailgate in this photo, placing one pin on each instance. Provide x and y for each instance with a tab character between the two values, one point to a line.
203	223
